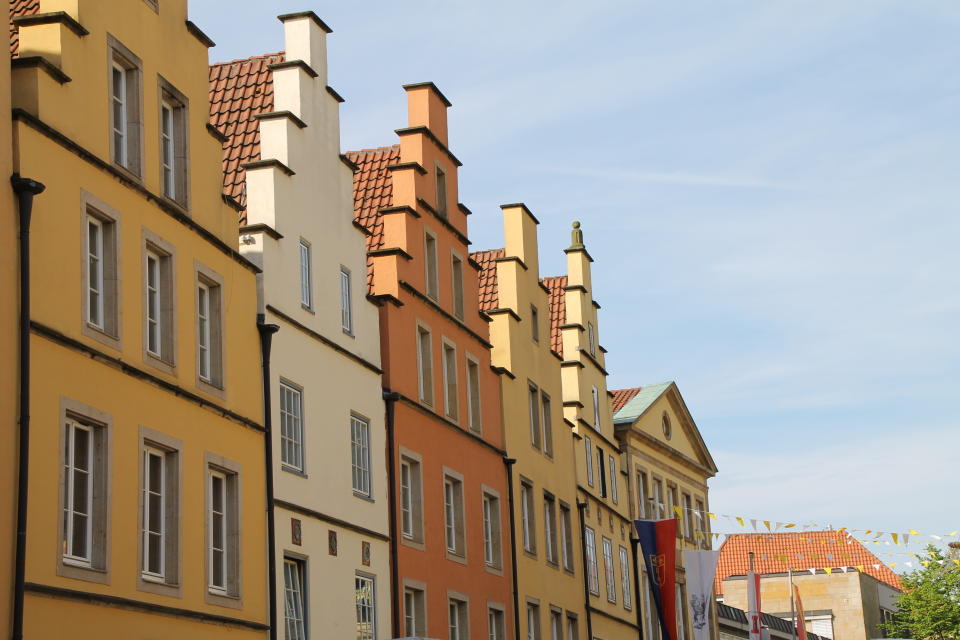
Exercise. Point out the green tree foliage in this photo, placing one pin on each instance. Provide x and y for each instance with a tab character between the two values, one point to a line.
930	604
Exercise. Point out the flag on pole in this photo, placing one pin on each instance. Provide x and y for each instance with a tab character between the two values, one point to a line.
753	606
701	568
658	545
801	621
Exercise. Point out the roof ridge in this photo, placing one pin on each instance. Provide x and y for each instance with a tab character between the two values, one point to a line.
242	60
373	149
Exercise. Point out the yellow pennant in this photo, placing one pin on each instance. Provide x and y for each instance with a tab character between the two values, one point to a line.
829	571
766	523
913	532
742	524
859	568
896	540
713	516
789	526
679	513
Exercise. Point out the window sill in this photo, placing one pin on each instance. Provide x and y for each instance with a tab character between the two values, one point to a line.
530	554
211	388
157	586
413	544
157	362
293	471
79	570
308	309
349	334
101	336
223	600
177	204
127	171
497	571
455	557
364	497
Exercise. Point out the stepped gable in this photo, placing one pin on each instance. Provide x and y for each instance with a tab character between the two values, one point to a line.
373	188
558	310
20	8
488	293
802	551
239	90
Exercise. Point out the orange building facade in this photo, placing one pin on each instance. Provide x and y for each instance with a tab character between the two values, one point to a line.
450	515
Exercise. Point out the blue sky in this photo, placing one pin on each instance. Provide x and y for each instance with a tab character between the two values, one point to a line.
770	191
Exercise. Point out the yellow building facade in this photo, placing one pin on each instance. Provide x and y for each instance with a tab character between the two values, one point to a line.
548	551
146	493
668	465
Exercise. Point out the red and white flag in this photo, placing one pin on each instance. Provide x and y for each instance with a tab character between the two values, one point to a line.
753	606
801	623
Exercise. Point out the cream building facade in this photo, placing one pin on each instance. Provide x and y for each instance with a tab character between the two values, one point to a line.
329	468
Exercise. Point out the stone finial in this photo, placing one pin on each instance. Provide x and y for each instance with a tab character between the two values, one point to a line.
576	236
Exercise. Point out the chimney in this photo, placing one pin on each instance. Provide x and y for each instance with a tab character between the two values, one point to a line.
427	107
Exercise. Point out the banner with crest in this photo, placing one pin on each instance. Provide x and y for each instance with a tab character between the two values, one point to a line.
658	544
701	568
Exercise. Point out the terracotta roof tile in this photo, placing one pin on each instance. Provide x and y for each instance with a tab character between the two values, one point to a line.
488	294
239	90
20	8
373	188
622	396
558	310
776	552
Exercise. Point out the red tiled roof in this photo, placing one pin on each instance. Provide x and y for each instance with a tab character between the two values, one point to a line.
558	310
623	396
20	8
239	90
776	552
489	296
373	188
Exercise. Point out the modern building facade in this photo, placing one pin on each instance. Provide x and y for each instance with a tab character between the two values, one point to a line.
668	465
447	471
603	498
550	593
282	163
144	493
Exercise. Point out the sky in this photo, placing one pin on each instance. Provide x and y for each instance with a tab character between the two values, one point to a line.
769	189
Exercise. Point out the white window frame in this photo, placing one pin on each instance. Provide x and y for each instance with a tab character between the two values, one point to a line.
414	611
550	528
168	148
527	522
596	408
593	570
431	265
450	515
406	498
588	450
425	364
154	313
346	300
591	339
643	499
625	578
609	574
149	528
365	593
85	513
291	427
411	498
451	383
204	333
95	280
458	619
296	606
496	628
546	423
456	277
533	621
474	399
218	544
306	274
566	537
441	184
533	402
360	456
491	529
119	99
556	625
612	470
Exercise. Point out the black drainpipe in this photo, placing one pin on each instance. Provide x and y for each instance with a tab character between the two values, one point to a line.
25	189
390	398
509	462
635	543
581	506
266	338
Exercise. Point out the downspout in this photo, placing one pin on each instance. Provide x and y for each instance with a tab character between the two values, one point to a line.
581	506
508	463
266	339
390	398
25	189
635	543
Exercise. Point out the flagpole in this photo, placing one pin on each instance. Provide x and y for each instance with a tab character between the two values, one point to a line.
793	613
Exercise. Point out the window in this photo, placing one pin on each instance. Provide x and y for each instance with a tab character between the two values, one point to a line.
291	426
550	527
451	395
534	415
588	449
667	428
411	492
222	532
526	518
701	515
457	277
593	575
649	613
491	530
414	612
459	622
366	597
473	395
556	625
453	515
125	107
533	621
681	618
173	143
602	472
625	578
346	302
100	278
547	425
672	504
495	624
573	633
441	192
596	408
425	365
612	464
158	298
608	570
210	328
360	455
534	323
591	339
643	494
306	276
566	537
82	491
294	588
687	517
153	525
433	286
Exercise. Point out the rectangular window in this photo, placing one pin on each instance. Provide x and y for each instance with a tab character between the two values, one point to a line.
547	423
295	598
411	491
154	326
550	527
556	625
291	426
527	524
591	339
573	633
414	612
459	622
209	329
441	192
495	624
602	472
687	517
457	277
701	516
430	263
473	395
366	597
566	537
596	408
158	294
612	465
658	505
672	502
491	530
306	275
121	105
453	515
643	496
154	514
534	404
625	579
593	572
533	621
360	455
346	301
173	143
608	570
588	450
451	393
649	614
534	323
101	274
222	532
125	108
425	365
80	473
681	618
